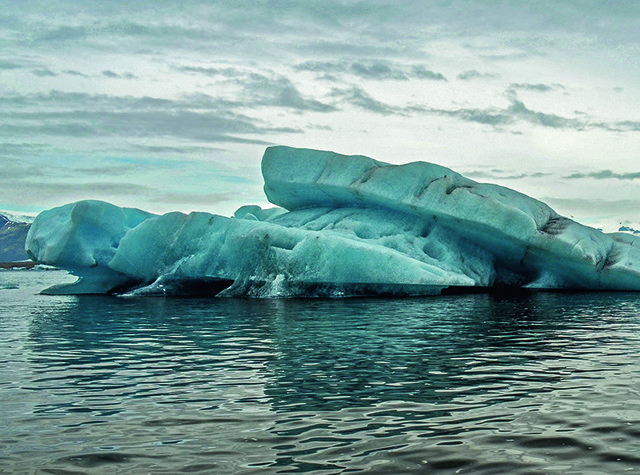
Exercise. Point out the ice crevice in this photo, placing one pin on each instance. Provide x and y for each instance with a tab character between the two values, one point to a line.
341	226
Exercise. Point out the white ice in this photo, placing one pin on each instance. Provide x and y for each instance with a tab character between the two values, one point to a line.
344	225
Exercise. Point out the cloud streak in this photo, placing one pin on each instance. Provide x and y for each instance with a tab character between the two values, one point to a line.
604	175
499	118
504	175
371	70
472	74
80	115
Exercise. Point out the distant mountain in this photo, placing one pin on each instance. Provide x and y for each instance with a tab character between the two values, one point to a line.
13	233
627	229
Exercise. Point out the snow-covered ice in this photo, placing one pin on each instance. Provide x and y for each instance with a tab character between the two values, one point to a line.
343	225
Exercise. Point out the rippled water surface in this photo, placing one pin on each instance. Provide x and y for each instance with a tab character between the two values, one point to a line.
545	382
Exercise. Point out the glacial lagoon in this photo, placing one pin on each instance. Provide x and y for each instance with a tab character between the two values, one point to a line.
540	382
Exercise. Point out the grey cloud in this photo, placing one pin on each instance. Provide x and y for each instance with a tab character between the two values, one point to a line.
140	124
491	117
520	111
361	99
192	198
367	70
174	150
423	73
498	118
16	171
262	90
624	126
9	65
604	175
19	149
375	70
73	128
321	66
279	92
208	70
290	97
110	74
473	74
44	72
63	33
387	28
535	87
80	115
73	72
504	175
112	170
319	127
494	117
527	175
47	192
188	36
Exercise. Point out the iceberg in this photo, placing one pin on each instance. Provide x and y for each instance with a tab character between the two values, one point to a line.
342	226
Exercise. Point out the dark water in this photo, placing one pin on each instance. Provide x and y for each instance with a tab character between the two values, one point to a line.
541	383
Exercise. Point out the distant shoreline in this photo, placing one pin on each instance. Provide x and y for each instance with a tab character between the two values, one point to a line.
17	265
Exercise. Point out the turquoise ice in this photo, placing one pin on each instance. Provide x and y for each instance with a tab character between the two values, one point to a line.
343	225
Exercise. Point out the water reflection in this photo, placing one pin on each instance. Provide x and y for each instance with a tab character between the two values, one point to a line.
233	386
321	355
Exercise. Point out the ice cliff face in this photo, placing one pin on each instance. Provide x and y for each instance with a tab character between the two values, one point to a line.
347	225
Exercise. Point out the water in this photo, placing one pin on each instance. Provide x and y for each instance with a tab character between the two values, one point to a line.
540	383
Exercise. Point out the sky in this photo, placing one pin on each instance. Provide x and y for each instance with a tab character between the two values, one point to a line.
168	106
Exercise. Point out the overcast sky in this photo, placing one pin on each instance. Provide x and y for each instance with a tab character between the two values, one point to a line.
170	105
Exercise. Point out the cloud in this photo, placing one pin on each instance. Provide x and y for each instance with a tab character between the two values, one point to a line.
182	198
503	175
421	72
498	118
79	115
357	97
373	70
73	72
20	149
178	149
10	65
52	192
261	90
473	74
278	91
376	71
44	72
604	175
63	33
492	117
519	111
110	74
623	126
535	87
209	70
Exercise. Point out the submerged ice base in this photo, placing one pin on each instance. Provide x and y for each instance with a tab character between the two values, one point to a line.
345	225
